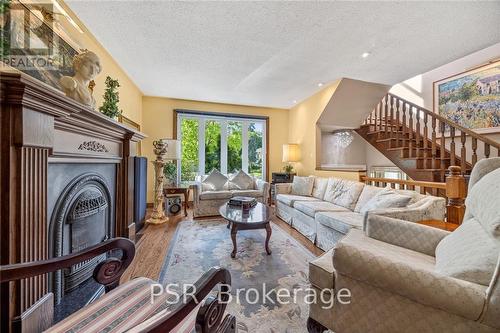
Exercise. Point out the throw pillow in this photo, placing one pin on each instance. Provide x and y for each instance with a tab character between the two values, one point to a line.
241	181
319	187
302	185
386	199
468	253
369	191
343	192
482	203
216	181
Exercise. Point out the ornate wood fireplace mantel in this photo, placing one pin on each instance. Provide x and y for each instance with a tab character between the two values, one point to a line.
39	126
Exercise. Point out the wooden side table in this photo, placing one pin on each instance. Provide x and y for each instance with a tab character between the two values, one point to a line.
440	224
178	190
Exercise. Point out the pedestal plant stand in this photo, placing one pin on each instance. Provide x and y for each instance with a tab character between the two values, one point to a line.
158	215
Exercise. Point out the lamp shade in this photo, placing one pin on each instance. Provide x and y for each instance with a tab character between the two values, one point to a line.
173	149
291	152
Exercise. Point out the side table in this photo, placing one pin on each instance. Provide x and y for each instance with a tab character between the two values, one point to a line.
178	190
440	224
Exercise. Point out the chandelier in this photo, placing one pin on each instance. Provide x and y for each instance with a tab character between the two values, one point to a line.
343	138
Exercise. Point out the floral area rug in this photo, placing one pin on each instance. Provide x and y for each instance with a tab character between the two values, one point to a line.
199	245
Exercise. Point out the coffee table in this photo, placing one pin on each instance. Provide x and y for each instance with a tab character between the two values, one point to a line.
257	217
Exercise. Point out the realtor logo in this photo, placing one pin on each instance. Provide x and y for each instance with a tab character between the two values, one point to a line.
27	38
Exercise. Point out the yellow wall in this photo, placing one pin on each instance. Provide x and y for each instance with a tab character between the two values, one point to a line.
130	95
302	130
158	123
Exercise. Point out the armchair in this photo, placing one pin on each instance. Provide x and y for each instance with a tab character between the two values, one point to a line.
130	306
407	277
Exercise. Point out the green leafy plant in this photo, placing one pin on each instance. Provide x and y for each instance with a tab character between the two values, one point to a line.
170	171
111	99
288	168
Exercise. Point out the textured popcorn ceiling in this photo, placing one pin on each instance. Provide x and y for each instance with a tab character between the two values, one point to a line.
272	53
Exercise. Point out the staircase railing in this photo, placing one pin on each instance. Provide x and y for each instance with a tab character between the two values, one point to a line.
427	130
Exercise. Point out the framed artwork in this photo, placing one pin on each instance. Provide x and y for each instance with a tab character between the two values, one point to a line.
32	31
471	98
124	120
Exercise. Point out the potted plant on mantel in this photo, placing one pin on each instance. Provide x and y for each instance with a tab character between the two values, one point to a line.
111	98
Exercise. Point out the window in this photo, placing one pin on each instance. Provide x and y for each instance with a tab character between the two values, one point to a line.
226	143
387	172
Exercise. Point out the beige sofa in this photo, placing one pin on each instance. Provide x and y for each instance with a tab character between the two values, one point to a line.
407	277
334	206
207	202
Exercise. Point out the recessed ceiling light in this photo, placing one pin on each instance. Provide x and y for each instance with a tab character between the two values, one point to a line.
294	101
320	84
365	55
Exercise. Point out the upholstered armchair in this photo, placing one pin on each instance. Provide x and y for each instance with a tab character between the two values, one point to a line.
130	306
407	277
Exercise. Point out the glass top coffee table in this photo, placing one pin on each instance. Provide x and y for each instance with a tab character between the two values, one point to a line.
257	217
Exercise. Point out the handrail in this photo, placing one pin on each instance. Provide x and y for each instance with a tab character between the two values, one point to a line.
450	123
438	141
415	183
455	190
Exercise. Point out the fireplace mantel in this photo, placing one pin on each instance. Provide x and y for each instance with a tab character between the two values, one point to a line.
39	125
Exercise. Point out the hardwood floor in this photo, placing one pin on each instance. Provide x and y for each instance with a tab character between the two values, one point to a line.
154	240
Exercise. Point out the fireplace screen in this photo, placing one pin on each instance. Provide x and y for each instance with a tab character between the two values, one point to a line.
86	219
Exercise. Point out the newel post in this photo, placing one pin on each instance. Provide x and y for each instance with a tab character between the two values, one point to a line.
456	192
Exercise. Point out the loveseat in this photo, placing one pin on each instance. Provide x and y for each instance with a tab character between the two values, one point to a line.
408	277
325	209
213	190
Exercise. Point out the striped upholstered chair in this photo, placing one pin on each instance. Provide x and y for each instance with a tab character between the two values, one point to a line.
130	307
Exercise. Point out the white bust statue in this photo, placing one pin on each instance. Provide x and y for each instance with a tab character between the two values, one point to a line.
86	65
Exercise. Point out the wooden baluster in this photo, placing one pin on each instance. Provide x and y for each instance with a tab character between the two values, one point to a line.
402	107
410	137
377	116
426	139
386	116
398	134
433	143
417	127
394	128
442	149
463	153
452	147
456	192
474	151
486	150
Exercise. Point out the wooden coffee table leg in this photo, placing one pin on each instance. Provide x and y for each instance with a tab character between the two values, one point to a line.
234	230
268	237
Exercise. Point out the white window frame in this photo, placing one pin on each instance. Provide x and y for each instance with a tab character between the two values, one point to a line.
202	118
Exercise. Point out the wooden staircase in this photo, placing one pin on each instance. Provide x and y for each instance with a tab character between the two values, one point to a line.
422	143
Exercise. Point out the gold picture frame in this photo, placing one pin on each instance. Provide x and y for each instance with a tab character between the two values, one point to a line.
471	98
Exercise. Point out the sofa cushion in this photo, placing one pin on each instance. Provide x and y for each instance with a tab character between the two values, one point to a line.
312	207
368	192
213	195
386	199
321	271
482	203
343	192
247	193
302	185
289	199
319	187
117	311
241	181
468	253
216	181
340	221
